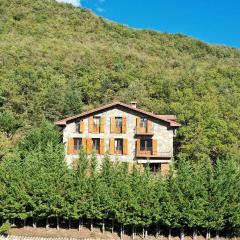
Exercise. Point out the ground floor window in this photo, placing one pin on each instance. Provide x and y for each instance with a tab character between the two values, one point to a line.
77	143
118	146
155	167
96	145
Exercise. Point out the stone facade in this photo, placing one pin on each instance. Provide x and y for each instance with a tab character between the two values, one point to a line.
162	133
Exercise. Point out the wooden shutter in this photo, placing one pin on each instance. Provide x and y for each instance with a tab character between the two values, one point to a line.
149	126
89	145
111	146
90	124
102	123
124	129
165	167
154	147
125	146
113	125
70	147
138	122
84	144
81	127
138	145
102	147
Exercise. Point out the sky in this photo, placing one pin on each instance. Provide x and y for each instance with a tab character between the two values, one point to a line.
212	21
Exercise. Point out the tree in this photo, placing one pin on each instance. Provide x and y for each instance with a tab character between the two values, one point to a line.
14	198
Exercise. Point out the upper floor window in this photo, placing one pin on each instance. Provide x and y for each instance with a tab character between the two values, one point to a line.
96	122
143	122
77	124
77	143
96	145
118	122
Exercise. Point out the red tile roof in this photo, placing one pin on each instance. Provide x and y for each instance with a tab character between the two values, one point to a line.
171	119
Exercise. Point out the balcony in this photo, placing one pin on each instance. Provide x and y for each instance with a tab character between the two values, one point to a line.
144	131
149	153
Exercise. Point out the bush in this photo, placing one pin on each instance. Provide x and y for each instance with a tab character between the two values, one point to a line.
5	228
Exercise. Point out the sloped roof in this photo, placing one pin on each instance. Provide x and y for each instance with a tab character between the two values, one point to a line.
171	119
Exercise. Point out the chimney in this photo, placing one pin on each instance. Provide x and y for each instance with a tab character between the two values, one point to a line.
133	104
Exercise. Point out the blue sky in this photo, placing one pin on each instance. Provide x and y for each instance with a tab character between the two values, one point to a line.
213	21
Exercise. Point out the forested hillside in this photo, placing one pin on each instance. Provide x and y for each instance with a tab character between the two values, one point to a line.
57	60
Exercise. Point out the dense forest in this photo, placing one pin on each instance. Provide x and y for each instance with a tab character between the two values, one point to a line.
57	60
38	188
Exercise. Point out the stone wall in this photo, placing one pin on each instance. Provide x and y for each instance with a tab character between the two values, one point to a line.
162	133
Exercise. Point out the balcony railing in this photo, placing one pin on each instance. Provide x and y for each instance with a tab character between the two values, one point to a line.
143	131
149	153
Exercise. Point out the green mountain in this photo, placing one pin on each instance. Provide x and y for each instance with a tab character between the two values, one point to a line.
57	60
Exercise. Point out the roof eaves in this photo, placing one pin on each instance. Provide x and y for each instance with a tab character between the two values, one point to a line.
159	117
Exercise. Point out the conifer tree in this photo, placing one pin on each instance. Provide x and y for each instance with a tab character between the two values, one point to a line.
94	204
170	213
107	192
123	195
232	218
76	198
14	199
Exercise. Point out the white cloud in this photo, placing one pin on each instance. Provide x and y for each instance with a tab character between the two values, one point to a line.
100	9
76	3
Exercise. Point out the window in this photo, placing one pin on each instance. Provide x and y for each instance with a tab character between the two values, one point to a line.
118	146
96	145
145	145
77	126
155	167
96	122
77	143
118	122
143	123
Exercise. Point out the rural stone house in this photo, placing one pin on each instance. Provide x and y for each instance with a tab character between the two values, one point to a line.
126	132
